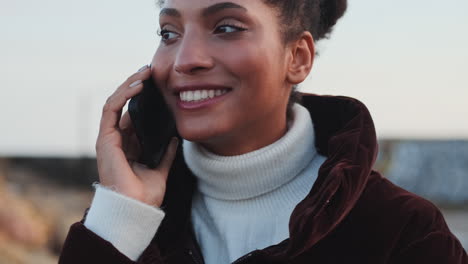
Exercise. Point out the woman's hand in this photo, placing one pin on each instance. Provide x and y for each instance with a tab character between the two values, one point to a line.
117	148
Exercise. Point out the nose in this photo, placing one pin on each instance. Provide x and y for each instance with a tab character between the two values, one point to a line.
193	55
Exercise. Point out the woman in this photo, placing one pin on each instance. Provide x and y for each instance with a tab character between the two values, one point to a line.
257	178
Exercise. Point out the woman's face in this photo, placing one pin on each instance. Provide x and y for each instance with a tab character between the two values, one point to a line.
221	67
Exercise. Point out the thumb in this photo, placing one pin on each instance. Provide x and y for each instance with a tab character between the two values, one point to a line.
169	156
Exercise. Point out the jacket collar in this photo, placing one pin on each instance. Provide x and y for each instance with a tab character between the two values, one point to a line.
344	133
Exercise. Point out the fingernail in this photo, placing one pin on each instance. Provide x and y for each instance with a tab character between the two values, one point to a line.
135	83
143	68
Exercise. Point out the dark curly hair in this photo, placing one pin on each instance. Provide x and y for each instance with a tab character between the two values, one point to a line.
316	16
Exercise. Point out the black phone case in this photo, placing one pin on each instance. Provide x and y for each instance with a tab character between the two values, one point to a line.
153	123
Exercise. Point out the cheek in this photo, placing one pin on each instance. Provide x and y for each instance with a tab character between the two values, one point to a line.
249	64
260	72
161	65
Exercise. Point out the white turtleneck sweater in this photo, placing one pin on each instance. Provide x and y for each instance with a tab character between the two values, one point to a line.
241	203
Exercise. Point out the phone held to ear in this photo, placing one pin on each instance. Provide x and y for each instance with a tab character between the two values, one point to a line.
153	122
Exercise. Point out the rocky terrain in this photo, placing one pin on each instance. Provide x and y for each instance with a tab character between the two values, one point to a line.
35	215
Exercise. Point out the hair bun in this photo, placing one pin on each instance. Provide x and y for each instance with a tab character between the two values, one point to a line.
330	12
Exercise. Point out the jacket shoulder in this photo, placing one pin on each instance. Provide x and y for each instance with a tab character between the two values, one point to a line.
385	196
415	226
403	209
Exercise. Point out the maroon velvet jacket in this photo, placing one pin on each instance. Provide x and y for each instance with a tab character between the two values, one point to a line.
351	215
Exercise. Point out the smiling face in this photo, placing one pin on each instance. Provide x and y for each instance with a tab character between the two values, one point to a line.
222	68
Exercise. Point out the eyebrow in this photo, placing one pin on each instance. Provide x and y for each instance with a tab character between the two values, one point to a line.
170	12
220	7
209	11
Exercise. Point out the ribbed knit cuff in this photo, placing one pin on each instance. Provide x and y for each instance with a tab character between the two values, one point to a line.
128	224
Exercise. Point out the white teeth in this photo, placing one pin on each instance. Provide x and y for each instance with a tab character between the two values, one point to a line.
199	95
189	96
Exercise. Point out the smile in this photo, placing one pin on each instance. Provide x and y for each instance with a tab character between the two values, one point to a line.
200	95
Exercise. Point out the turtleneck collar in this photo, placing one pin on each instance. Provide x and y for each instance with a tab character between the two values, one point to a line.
255	173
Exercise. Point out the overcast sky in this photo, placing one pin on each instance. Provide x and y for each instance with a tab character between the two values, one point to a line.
60	59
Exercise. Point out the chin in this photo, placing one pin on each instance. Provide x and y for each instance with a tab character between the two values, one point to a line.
202	132
199	134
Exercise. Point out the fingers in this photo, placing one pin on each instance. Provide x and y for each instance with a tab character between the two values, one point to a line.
125	122
142	74
112	110
169	156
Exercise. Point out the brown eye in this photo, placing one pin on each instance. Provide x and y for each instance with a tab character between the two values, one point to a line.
167	35
228	29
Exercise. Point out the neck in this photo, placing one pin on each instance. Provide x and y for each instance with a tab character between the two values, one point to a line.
245	140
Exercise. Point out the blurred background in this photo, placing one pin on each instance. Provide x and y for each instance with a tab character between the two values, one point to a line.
60	60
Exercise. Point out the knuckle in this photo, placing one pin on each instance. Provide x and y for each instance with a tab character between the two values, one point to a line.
107	106
127	97
109	98
131	77
97	146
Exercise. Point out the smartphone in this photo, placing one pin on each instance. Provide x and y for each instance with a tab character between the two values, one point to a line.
153	122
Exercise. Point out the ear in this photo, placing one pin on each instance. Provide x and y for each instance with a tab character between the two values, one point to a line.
302	53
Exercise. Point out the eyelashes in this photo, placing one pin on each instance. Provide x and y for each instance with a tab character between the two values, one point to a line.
166	35
228	28
224	28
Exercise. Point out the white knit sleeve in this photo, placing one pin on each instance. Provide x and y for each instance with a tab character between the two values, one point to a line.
128	224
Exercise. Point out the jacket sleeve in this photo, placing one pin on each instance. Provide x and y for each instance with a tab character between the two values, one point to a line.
116	229
83	246
426	237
